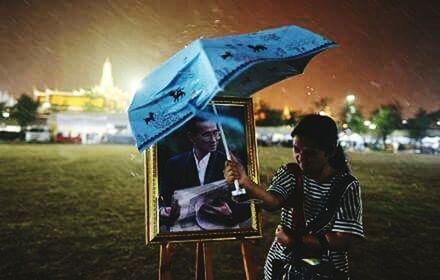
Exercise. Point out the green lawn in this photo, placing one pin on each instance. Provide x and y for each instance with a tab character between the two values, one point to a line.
77	212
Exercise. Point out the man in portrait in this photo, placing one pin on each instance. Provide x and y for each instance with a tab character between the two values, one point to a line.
198	168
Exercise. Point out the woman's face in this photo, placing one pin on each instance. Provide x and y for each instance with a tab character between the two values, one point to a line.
309	157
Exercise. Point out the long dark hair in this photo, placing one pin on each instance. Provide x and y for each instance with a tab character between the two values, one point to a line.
323	131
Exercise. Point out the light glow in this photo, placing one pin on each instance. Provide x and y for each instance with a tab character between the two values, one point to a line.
135	86
350	98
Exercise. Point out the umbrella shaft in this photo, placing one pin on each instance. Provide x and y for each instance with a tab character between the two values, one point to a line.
225	144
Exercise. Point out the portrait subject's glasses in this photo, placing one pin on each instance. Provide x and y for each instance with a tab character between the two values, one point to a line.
206	136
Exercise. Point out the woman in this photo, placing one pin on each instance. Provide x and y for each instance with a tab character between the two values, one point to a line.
322	162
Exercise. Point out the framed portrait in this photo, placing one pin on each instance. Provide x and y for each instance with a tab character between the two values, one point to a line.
186	196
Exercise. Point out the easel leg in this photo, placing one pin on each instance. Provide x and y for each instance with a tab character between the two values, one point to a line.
203	262
165	261
248	260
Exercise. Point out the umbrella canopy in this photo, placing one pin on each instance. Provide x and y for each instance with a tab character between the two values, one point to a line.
237	65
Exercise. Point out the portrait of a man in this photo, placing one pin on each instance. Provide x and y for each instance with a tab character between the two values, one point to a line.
193	193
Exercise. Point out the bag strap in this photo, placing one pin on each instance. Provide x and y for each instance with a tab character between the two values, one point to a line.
298	197
338	188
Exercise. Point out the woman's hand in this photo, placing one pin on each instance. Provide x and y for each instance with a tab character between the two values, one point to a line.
282	238
235	171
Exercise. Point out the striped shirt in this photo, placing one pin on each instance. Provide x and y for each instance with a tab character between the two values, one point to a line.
348	217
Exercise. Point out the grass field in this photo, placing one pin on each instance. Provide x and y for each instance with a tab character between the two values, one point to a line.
77	212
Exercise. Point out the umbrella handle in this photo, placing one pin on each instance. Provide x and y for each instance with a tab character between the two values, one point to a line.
237	190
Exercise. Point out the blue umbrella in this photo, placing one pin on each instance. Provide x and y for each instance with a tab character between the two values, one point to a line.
237	65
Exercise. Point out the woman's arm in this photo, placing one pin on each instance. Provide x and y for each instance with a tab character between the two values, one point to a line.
234	171
314	246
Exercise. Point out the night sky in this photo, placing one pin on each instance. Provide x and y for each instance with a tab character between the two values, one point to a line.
388	50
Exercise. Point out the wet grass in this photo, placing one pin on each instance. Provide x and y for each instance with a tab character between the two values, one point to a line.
77	212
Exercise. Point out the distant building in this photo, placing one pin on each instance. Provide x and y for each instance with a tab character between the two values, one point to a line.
88	116
105	97
91	127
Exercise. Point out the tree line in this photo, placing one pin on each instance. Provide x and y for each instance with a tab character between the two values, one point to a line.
24	112
383	120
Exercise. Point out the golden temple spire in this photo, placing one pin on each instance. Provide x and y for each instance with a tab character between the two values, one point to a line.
107	77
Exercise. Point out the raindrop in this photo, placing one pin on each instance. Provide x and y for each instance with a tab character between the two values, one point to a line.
375	84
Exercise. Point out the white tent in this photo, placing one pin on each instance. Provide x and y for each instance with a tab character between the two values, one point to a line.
93	127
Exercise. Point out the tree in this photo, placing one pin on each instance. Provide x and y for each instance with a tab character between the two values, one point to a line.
434	117
266	116
24	111
322	104
419	124
292	121
353	117
272	118
2	109
387	119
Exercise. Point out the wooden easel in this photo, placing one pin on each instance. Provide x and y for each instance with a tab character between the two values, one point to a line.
203	262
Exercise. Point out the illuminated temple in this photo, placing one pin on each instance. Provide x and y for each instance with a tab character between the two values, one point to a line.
105	97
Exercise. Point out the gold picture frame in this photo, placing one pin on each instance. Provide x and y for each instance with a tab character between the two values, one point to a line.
194	223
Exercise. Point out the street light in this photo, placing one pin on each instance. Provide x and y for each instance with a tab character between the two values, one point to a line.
350	98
